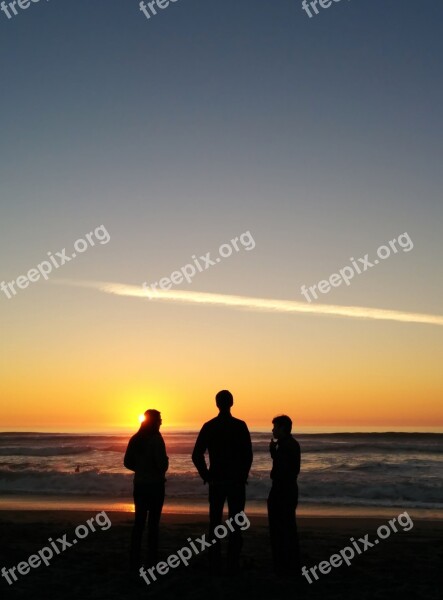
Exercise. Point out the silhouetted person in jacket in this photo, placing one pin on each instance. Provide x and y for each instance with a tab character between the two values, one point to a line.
146	456
283	498
228	443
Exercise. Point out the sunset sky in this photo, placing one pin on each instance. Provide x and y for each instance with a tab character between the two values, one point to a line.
321	137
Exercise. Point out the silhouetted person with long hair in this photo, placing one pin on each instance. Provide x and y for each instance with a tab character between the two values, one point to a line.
146	456
228	443
283	498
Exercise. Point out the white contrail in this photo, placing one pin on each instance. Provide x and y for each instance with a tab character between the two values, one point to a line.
259	304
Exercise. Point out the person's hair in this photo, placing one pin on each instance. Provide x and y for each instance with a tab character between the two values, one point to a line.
224	399
284	422
152	421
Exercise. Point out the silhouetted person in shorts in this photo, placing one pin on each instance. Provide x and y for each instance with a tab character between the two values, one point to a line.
283	498
146	456
228	443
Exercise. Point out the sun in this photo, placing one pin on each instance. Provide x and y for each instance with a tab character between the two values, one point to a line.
141	418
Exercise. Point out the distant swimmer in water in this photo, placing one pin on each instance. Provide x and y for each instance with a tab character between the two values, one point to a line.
77	469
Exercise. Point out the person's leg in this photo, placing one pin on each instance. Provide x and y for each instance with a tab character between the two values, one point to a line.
155	505
274	527
287	534
236	504
141	511
295	538
217	497
286	538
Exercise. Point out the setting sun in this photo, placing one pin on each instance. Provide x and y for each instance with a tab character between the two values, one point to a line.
141	418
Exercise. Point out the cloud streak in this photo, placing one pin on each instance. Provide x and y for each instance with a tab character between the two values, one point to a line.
254	304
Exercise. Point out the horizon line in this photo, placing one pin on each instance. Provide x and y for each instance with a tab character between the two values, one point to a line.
312	430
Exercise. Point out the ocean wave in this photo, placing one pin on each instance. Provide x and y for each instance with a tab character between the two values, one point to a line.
45	451
364	448
318	487
258	448
384	466
32	444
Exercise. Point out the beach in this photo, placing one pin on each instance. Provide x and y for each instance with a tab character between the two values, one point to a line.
350	485
407	563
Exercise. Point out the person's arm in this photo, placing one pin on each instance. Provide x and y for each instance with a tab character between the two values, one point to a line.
161	458
247	452
297	458
129	460
273	448
289	460
198	455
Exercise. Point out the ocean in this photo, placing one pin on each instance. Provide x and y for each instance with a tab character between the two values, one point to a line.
342	470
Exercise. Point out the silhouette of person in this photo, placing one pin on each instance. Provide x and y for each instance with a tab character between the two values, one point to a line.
146	456
283	498
228	443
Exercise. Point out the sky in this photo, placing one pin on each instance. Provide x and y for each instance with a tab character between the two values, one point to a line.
319	139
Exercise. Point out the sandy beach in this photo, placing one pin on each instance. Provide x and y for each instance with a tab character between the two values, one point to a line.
407	563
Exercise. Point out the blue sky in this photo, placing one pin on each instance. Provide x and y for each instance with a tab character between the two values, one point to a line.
322	136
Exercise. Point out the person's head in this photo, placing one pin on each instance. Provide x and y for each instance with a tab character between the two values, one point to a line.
282	426
224	401
152	422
